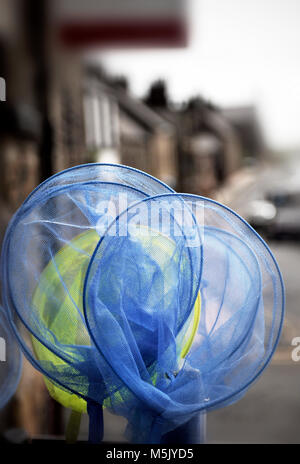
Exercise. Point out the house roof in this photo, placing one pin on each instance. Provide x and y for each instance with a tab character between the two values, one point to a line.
132	106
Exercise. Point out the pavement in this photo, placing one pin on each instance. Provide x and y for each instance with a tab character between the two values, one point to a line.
269	412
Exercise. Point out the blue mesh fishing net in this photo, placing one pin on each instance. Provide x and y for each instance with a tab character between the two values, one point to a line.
128	296
152	295
46	251
10	361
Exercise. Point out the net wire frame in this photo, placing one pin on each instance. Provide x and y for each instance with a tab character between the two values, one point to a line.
201	353
239	328
36	339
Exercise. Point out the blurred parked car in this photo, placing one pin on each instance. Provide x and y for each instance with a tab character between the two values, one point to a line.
261	215
287	223
284	198
278	219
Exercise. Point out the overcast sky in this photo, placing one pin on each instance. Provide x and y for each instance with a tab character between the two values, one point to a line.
241	52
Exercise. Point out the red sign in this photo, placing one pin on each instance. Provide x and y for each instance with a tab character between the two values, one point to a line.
122	23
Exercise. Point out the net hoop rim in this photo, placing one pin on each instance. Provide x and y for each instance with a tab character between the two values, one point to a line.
240	390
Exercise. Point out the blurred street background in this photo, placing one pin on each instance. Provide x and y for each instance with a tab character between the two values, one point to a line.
209	104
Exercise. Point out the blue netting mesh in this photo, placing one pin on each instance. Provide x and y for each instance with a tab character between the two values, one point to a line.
57	229
154	304
10	361
241	312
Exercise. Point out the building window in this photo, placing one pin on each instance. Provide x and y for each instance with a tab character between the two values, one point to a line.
101	122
